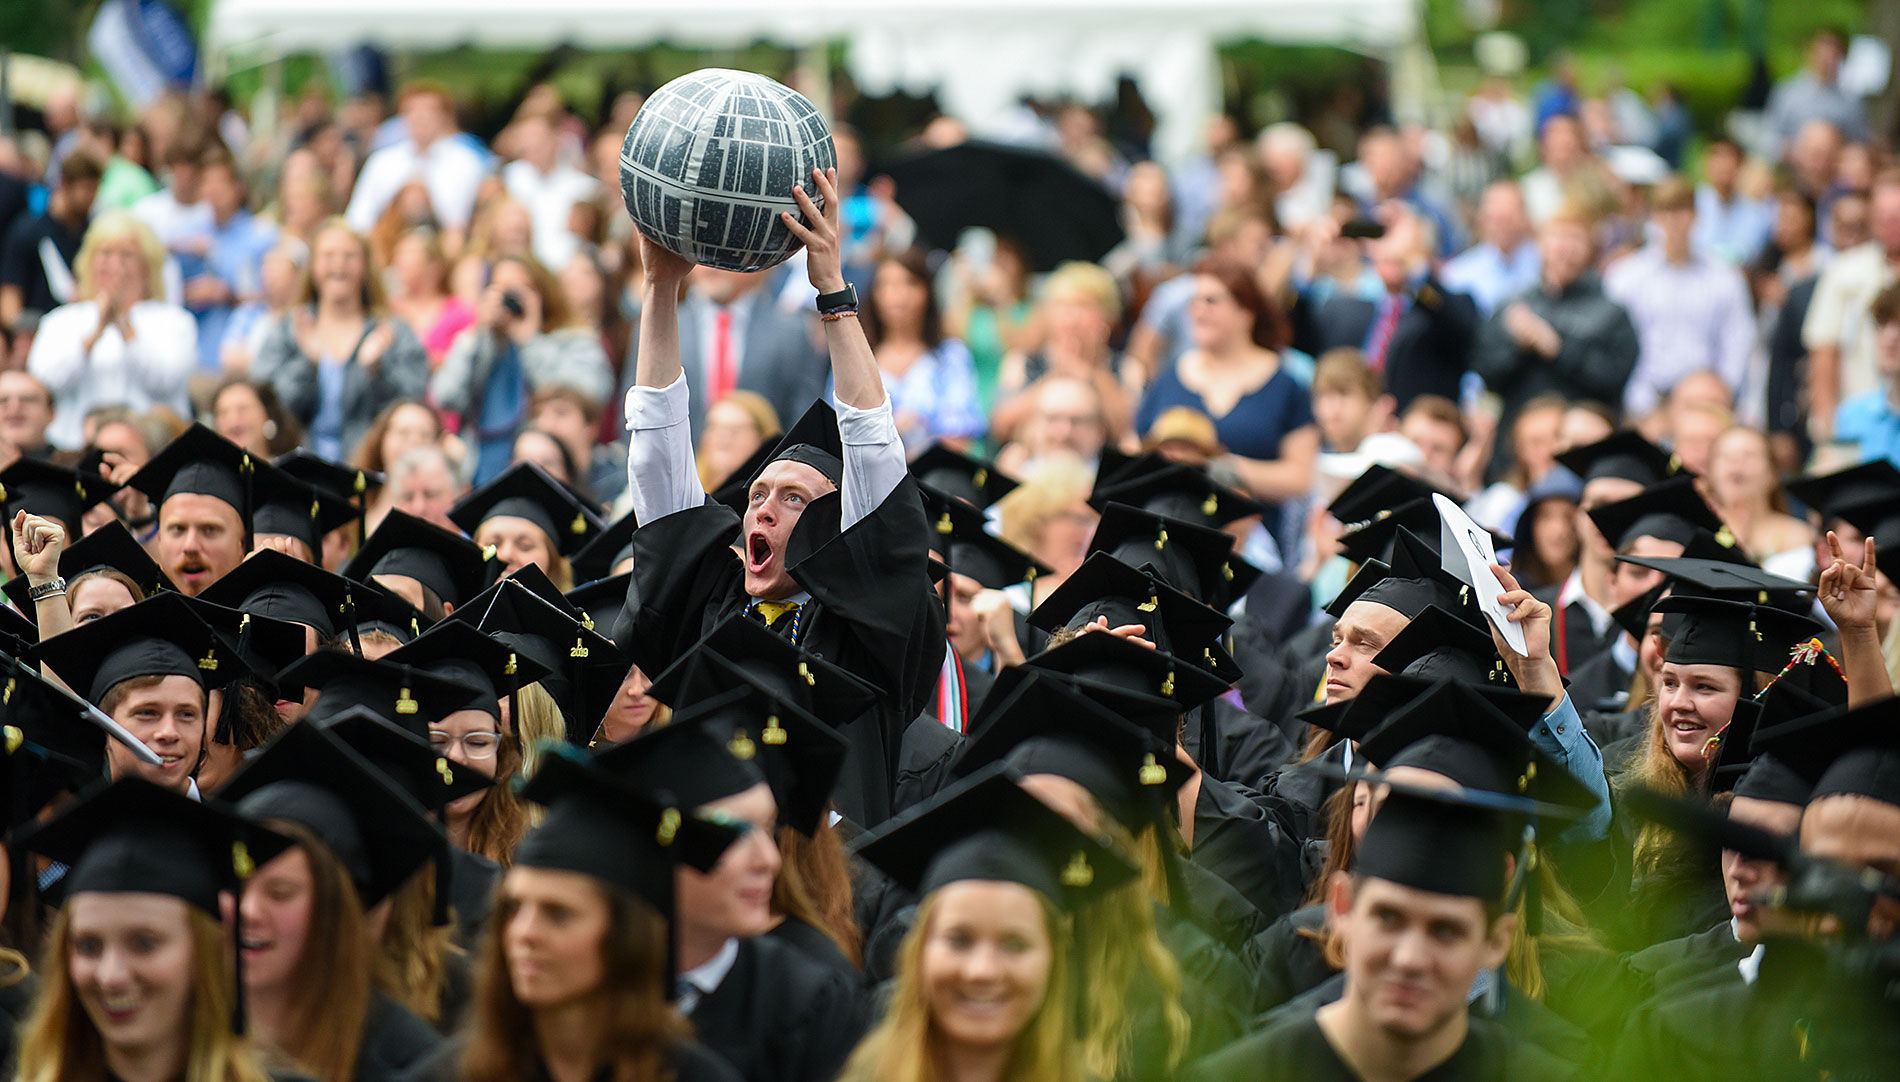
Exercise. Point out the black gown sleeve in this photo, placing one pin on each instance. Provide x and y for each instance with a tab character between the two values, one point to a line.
395	1042
685	577
1238	838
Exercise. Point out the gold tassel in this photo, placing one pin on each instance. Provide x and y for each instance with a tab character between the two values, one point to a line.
1167	686
405	703
1153	602
209	662
1161	540
14	739
241	862
442	768
1210	506
944	525
804	671
1152	773
579	525
669	826
741	746
774	733
1077	873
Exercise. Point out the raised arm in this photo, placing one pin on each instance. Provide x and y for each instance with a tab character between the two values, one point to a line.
660	471
1848	593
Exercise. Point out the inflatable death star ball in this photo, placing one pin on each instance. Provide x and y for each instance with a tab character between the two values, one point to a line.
710	161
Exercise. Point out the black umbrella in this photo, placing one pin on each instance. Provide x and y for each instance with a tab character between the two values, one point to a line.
1035	198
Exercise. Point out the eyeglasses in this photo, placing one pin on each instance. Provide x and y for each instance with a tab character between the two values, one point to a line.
473	745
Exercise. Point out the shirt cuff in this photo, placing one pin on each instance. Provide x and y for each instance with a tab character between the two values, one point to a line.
658	407
874	427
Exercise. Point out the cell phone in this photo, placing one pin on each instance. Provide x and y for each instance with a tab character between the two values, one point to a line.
512	302
1362	229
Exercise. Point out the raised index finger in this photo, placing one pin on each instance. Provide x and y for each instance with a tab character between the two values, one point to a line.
1868	563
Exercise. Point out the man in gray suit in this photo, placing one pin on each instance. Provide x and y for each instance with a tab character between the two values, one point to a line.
732	337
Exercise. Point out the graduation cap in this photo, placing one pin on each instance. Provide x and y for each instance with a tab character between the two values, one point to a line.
1633	615
376	830
390	615
1375	538
404	694
1106	587
1130	679
56	492
986	828
1438	644
134	837
1451	843
959	534
272	584
1197	560
1711	631
523	621
110	547
1733	764
813	440
537	583
604	596
161	636
1703	577
1670	511
455	651
409	760
799	755
1040	723
1414	579
449	565
51	741
731	491
526	491
286	506
960	476
203	463
1623	454
1380	488
1868	482
1852	750
687	765
598	558
1878	519
263	645
337	478
1478	741
833	695
1178	491
1355	717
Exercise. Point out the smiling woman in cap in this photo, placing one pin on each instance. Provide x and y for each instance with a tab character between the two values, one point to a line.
530	518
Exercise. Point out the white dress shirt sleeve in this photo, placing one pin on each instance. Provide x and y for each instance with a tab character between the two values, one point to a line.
662	475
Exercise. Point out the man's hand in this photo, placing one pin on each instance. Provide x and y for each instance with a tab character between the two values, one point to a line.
1848	591
819	232
37	543
1131	632
1531	331
1534	670
664	269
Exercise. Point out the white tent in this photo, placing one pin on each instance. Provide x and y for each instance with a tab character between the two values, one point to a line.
979	56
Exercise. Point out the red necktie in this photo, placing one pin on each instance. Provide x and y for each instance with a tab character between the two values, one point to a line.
723	375
1382	331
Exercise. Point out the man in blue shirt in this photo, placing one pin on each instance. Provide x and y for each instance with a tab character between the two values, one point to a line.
1505	262
230	271
1872	418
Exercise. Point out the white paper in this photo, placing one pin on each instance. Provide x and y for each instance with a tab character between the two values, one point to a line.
1467	554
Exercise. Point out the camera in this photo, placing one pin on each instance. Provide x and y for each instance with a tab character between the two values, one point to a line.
511	301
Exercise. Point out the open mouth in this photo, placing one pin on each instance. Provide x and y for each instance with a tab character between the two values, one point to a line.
192	568
758	553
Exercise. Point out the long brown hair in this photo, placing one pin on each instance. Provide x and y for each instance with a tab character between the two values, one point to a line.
59	1043
643	1027
498	822
1271	330
814	885
901	1048
324	1030
369	451
411	954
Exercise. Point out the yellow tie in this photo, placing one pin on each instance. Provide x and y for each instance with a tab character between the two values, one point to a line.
772	610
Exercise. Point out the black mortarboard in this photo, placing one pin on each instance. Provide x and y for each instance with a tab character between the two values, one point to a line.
283	505
959	534
52	742
1355	717
524	621
202	462
1438	644
1711	631
1814	670
406	695
1197	560
403	757
1633	615
685	765
964	477
1380	488
829	693
1844	750
456	651
537	583
263	645
1868	482
336	478
598	558
1131	679
1451	843
390	615
1106	587
1623	454
374	828
1411	581
731	490
1040	723
799	755
601	600
111	546
134	837
987	828
1878	519
1702	577
814	441
162	636
1374	539
1670	511
526	491
1479	741
453	568
285	588
41	488
1178	491
1734	765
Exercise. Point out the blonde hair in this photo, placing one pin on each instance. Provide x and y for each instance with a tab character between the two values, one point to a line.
111	228
371	296
59	1042
541	723
1054	486
1657	846
764	418
1089	281
900	1048
410	958
1120	950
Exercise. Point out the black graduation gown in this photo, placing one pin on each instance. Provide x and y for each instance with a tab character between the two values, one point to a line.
872	611
1250	750
778	1017
1613	727
815	946
1670	962
1806	1018
1295	1050
1286	959
1577	641
1250	840
1213	990
16	1002
395	1042
926	752
1528	1019
691	1063
472	879
1601	683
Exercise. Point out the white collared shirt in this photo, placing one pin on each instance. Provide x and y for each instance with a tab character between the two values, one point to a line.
704	979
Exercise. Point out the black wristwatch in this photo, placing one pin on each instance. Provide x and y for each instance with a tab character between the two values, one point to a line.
843	298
